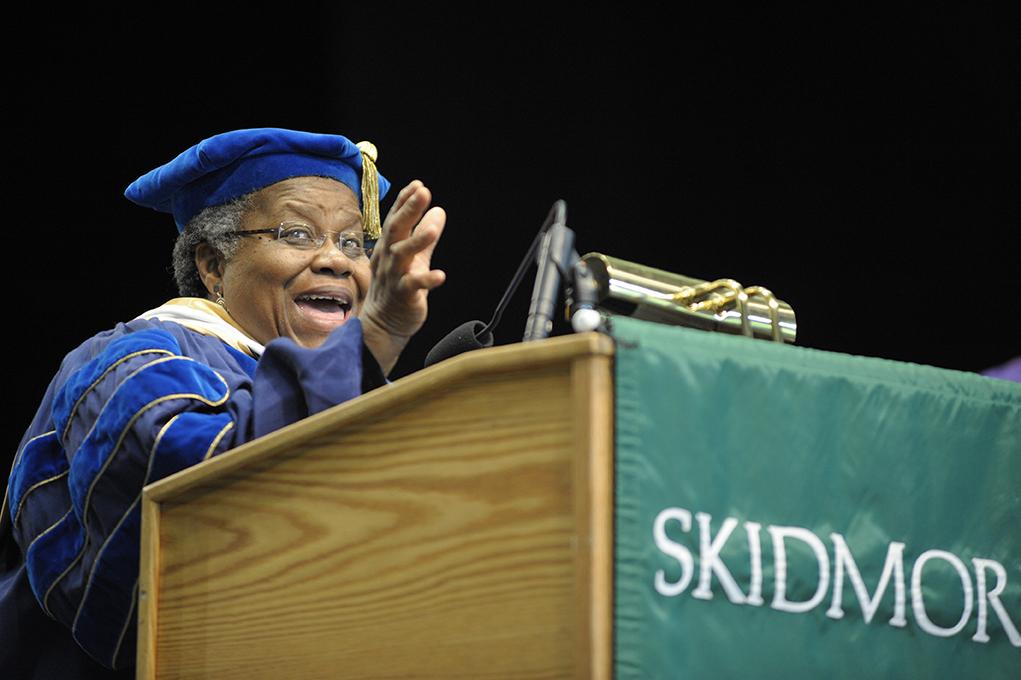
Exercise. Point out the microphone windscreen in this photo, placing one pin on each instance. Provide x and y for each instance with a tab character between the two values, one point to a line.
462	339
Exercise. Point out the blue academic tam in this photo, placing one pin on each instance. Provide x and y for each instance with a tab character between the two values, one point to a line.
227	166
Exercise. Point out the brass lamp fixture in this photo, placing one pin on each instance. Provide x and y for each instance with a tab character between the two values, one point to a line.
723	305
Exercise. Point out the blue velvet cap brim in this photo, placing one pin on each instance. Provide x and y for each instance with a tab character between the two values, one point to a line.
229	165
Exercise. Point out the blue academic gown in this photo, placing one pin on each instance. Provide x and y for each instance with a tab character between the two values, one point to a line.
127	407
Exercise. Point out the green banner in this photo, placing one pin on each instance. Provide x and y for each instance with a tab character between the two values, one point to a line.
786	512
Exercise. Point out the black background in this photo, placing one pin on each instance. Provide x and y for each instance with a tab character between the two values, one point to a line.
862	166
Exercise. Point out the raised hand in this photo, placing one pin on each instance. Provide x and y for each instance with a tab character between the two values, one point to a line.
396	305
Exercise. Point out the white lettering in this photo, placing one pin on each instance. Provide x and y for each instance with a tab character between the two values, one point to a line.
843	559
710	563
918	604
780	600
675	550
994	599
755	554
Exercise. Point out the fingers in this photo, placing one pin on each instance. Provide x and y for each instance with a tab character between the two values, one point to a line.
401	261
413	255
402	197
406	212
423	238
426	280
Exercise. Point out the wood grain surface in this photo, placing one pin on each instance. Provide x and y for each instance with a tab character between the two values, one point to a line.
446	529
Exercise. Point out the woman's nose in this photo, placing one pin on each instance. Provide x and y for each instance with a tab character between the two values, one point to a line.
330	259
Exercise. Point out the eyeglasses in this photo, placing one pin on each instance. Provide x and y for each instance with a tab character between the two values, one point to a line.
300	235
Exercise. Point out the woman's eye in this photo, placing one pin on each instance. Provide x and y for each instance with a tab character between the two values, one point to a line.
297	235
350	241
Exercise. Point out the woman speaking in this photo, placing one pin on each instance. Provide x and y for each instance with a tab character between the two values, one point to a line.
294	299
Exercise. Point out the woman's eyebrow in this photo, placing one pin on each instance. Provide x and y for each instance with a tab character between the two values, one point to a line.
315	216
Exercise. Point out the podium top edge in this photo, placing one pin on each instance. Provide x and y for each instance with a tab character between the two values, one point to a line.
519	356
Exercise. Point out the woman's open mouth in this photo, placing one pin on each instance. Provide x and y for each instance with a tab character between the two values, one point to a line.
325	309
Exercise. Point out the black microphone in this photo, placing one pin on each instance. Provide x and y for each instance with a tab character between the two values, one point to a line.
466	337
554	255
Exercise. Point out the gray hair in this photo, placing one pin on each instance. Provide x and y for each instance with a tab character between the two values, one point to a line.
213	226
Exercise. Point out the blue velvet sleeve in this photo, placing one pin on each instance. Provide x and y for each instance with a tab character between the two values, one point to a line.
152	402
294	382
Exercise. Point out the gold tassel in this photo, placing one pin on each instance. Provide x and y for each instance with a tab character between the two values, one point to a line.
370	192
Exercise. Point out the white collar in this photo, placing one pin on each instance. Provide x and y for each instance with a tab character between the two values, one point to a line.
208	318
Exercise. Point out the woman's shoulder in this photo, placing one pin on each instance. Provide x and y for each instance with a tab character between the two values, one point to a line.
141	335
133	341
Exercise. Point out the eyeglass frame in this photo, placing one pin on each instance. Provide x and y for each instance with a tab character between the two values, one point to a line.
366	247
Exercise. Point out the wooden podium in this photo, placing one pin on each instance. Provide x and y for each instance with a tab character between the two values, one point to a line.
454	524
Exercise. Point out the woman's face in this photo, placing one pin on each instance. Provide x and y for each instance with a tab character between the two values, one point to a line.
272	289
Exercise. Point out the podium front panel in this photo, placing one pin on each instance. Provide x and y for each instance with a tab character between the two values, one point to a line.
788	512
439	527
